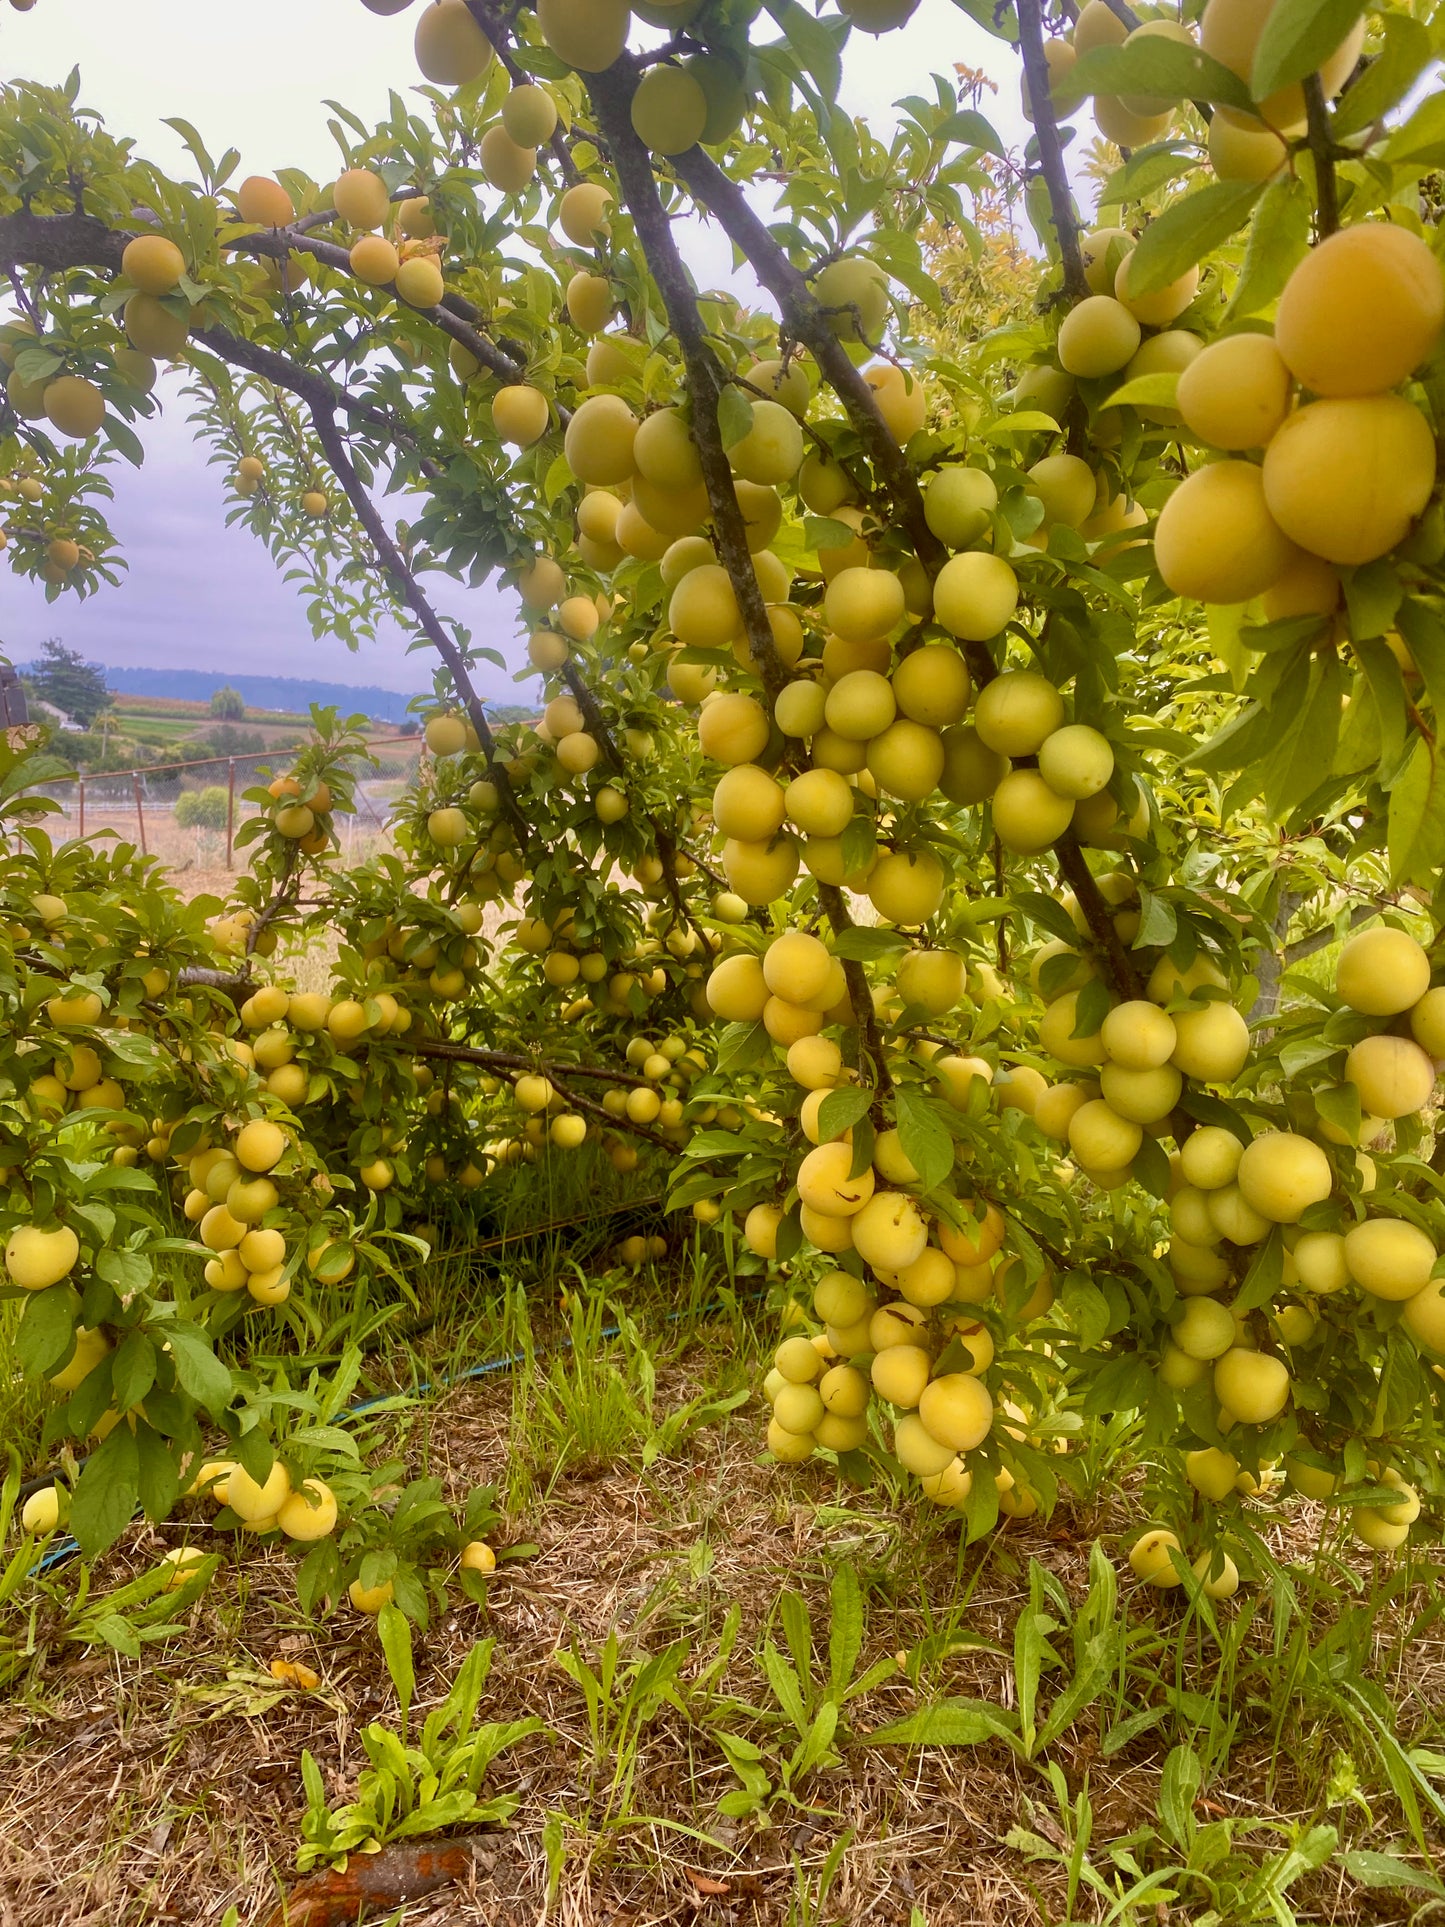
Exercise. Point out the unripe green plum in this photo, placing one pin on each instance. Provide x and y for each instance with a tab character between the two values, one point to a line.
1382	971
1213	1043
1076	761
1017	712
932	686
1066	486
971	770
1211	1472
1362	311
1393	1075
1236	393
1028	816
1389	1258
957	1411
890	1231
959	505
853	294
669	110
975	595
860	705
1098	337
1145	1096
1252	1385
906	760
1150	1558
906	886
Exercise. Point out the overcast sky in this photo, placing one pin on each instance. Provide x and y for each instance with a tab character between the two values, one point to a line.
199	594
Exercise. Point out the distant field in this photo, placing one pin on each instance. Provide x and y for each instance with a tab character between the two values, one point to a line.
159	721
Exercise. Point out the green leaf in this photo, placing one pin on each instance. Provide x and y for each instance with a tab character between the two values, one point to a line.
823	532
1188	230
734	415
1373	594
1422	138
1279	239
952	1722
1297	37
107	1491
1167	69
1086	1308
394	1630
924	1138
741	1046
159	1479
845	1633
47	1325
864	945
1146	391
132	1370
811	41
198	1370
1308	735
840	1110
970	129
1388	78
1386	1870
1417	818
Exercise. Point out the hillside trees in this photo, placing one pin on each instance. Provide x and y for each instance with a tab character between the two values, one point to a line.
64	679
976	732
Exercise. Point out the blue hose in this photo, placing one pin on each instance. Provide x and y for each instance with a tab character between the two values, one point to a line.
67	1548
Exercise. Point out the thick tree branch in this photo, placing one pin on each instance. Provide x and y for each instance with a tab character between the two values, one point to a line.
806	322
612	99
1051	150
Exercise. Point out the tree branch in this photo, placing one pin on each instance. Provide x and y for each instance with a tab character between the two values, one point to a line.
1322	149
406	584
464	1054
807	323
1099	917
859	995
611	95
1051	151
454	315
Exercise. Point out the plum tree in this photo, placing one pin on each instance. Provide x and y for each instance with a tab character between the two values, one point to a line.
906	861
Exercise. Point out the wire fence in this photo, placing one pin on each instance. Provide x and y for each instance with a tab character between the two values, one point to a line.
188	814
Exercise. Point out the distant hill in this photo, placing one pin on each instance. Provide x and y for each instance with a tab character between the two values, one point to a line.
288	693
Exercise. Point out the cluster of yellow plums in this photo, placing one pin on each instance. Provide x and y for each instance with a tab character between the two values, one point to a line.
1348	462
1242	146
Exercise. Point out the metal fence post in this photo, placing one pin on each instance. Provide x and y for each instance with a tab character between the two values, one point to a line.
81	787
230	807
140	810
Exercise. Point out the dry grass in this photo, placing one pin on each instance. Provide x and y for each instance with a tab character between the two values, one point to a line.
169	1789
